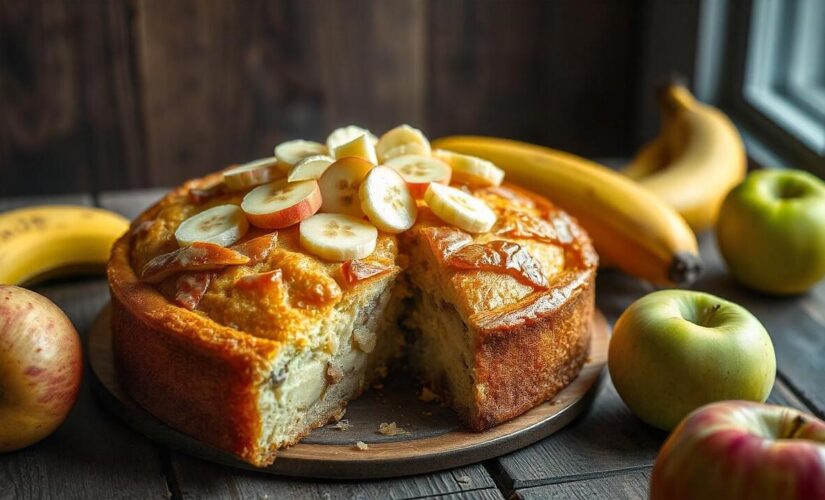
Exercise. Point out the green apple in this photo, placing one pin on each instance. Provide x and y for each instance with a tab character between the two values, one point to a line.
673	351
771	231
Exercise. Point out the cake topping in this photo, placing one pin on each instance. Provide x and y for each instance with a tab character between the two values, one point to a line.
310	168
500	256
340	183
355	271
261	282
402	140
222	225
251	174
196	257
281	204
191	287
359	147
386	201
419	171
471	170
445	241
291	152
338	237
257	249
200	196
460	209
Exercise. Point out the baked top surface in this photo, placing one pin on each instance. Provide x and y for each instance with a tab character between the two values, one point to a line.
504	276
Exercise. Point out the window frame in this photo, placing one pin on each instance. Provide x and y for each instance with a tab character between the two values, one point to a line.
742	67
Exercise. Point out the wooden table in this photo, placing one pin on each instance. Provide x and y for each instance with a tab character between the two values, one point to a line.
607	452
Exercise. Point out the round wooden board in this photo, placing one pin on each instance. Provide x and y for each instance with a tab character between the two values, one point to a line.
435	439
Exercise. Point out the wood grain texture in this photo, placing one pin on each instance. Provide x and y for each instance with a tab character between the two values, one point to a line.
68	113
627	485
92	455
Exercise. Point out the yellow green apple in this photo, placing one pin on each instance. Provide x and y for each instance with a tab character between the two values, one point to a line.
771	231
673	351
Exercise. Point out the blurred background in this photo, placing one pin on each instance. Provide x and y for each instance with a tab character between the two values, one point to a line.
100	95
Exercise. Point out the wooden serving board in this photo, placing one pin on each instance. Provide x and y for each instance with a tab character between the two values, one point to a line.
434	438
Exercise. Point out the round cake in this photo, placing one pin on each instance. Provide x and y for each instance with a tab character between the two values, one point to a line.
251	305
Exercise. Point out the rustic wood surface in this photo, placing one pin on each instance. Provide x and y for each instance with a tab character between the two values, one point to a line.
607	452
98	95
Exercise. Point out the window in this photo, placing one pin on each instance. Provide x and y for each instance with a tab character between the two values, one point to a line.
763	61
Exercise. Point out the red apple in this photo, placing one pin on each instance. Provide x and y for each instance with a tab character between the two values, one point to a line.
41	366
742	450
281	203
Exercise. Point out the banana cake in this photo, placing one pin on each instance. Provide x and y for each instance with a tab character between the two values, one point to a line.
251	305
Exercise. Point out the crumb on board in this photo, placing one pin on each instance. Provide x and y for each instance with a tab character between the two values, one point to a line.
427	413
341	425
378	387
382	371
390	429
463	479
362	446
427	395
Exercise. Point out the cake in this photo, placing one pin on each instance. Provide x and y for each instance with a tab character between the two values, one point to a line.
247	329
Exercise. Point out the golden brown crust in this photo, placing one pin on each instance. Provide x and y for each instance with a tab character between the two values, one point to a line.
201	376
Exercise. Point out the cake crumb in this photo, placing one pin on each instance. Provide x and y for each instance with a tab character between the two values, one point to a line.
427	413
390	429
427	395
342	425
361	445
378	387
463	479
382	371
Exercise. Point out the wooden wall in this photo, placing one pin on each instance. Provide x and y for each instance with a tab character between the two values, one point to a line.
98	95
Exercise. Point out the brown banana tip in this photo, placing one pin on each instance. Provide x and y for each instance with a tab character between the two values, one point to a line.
685	268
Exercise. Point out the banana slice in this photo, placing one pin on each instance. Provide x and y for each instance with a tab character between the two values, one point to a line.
340	183
310	167
251	174
360	147
343	135
281	203
222	225
419	171
460	209
338	237
387	201
402	140
470	169
291	152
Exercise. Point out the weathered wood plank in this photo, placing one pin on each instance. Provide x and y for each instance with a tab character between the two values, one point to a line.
630	485
68	109
92	455
197	478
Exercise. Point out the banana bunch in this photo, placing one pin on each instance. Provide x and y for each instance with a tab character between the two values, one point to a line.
630	226
47	241
695	160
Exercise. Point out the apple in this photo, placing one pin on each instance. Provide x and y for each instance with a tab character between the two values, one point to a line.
673	351
742	450
771	231
41	366
281	203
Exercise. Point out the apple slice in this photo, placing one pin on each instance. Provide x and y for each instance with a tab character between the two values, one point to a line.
281	203
360	147
340	183
460	209
343	135
471	170
291	152
402	140
419	171
310	168
387	201
198	256
251	174
222	225
191	287
338	237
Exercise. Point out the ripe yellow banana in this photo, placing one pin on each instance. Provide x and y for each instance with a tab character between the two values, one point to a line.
45	241
696	159
631	227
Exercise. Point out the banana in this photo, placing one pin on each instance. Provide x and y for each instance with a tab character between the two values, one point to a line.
386	200
696	160
630	226
457	208
338	237
52	240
